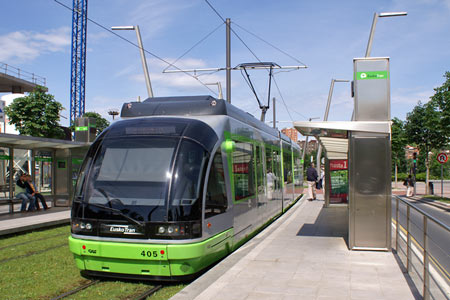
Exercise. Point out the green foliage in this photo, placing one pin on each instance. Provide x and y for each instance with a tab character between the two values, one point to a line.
422	127
101	123
36	114
441	100
398	144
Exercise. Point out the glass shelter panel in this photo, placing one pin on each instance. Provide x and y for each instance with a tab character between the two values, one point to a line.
4	173
21	164
43	172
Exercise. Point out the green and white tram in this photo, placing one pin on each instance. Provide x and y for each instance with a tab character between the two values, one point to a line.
176	185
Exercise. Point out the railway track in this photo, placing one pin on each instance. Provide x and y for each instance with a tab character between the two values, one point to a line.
142	296
149	292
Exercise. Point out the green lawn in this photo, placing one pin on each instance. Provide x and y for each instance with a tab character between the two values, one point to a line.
39	265
433	197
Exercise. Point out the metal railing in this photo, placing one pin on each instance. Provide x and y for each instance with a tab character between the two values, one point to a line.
21	74
430	267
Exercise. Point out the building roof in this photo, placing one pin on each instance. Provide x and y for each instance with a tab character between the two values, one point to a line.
31	142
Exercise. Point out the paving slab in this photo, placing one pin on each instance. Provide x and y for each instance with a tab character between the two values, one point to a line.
303	255
27	221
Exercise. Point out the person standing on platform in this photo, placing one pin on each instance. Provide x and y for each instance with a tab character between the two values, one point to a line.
311	177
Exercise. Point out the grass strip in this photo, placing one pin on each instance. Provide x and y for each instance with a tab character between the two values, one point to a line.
35	235
437	198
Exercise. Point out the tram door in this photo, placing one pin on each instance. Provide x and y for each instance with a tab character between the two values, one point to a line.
244	188
260	183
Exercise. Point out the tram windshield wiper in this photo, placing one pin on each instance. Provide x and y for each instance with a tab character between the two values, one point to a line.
117	211
112	209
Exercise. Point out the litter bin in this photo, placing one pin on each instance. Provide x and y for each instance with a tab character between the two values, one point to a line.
431	188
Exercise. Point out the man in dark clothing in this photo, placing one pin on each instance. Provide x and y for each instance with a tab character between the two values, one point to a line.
36	194
311	177
23	193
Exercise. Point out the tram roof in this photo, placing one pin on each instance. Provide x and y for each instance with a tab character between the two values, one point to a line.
203	105
31	142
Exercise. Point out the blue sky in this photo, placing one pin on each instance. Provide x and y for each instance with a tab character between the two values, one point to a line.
325	35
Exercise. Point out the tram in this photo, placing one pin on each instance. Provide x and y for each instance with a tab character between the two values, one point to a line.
176	185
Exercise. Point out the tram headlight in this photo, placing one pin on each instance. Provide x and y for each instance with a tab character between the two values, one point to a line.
179	230
79	226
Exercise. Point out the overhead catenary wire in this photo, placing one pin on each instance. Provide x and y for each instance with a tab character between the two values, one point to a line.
195	45
253	53
137	46
282	98
268	43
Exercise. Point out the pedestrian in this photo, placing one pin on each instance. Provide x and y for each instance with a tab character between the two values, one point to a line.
409	184
31	189
22	193
311	177
320	182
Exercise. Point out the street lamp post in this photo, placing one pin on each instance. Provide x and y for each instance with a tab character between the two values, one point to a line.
306	142
141	49
325	118
374	24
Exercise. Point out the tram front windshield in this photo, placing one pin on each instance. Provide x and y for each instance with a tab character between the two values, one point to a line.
149	179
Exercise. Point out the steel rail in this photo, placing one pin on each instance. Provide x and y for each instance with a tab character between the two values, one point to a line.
74	291
149	292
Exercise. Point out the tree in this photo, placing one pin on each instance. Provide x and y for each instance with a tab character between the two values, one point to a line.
423	129
398	143
36	114
441	100
101	123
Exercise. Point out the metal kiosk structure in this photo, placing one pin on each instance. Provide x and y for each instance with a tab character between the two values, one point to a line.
52	163
366	142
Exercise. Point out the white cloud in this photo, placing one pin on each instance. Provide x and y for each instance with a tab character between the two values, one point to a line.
411	97
28	45
156	15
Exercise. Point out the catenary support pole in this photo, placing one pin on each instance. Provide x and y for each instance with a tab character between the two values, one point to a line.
144	62
228	24
274	114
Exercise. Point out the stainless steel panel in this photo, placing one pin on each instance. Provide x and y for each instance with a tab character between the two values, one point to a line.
372	89
370	191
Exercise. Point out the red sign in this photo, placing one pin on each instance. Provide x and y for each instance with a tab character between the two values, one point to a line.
338	164
442	158
240	168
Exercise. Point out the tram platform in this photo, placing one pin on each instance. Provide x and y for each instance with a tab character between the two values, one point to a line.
27	221
303	255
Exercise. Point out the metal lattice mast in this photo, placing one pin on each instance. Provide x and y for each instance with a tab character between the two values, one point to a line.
78	62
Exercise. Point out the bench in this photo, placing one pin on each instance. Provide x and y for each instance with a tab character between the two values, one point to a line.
11	203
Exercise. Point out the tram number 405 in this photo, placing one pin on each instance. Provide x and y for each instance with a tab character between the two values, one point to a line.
149	253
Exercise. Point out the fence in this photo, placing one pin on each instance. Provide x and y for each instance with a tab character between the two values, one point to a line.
422	250
16	72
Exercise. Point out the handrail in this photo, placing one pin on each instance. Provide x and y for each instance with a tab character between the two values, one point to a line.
426	294
424	213
21	74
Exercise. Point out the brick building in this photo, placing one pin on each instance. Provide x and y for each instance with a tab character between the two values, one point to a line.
292	133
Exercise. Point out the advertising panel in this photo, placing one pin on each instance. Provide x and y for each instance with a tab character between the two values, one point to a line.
338	181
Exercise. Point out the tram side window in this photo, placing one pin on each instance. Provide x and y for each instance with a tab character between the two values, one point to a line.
216	195
243	172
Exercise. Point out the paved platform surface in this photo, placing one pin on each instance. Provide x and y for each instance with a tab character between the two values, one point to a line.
27	221
303	255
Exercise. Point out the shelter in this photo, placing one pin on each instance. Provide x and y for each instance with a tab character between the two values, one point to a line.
52	163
